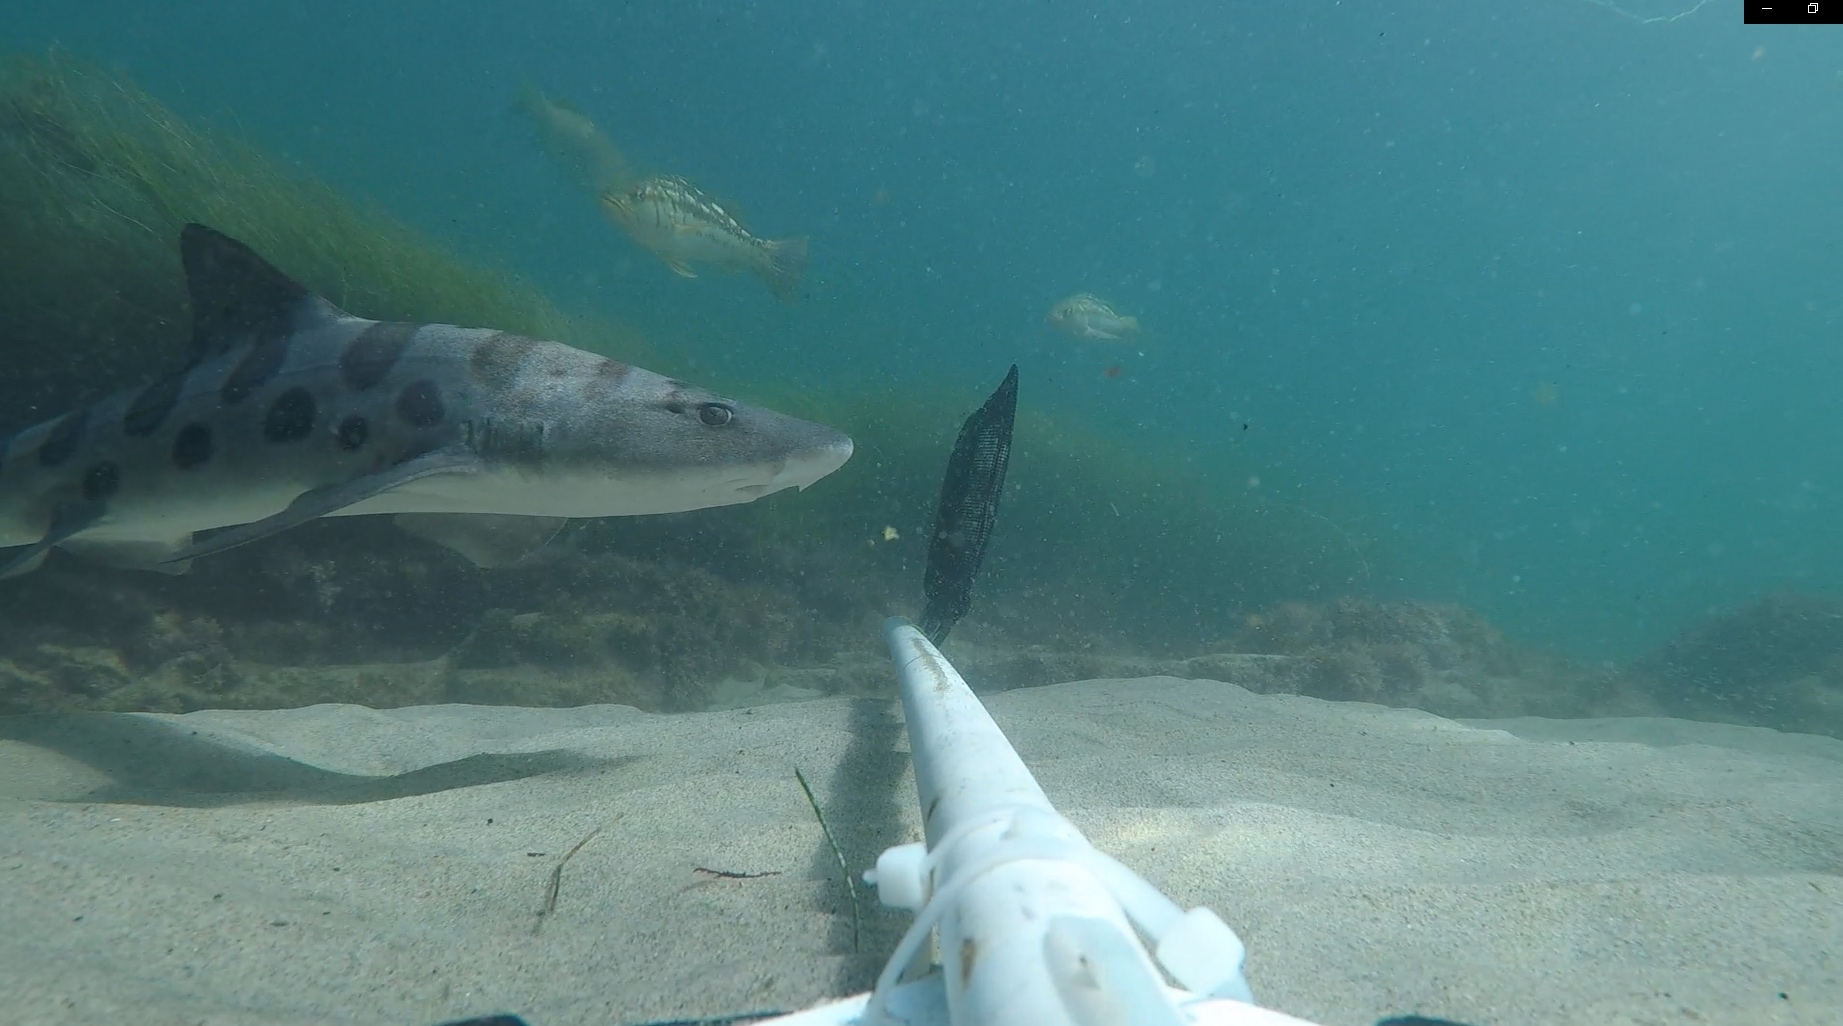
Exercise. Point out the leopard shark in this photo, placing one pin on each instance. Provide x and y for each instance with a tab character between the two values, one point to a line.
292	409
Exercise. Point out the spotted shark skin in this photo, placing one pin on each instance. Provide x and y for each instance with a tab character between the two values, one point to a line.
294	409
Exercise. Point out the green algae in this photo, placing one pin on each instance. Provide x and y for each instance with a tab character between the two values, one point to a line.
98	179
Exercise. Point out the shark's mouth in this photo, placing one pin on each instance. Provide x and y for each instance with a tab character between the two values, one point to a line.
800	470
805	468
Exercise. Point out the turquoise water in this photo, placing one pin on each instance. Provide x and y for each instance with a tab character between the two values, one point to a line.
1457	315
1542	292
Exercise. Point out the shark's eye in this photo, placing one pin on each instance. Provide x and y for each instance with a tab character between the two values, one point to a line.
715	414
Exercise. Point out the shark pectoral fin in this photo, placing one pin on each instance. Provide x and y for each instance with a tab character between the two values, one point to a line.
332	498
680	268
68	519
491	540
139	554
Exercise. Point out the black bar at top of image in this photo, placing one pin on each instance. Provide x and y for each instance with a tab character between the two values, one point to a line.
1794	12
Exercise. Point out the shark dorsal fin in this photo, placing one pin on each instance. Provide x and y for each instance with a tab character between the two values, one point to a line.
238	297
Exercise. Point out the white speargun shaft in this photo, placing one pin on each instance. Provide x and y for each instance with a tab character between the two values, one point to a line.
1034	924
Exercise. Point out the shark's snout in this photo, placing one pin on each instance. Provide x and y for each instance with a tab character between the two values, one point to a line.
804	467
810	466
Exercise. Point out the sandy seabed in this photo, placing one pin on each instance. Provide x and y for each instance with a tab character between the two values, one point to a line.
338	864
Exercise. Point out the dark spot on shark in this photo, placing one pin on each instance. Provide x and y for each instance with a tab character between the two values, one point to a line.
607	377
370	356
192	446
353	433
255	369
101	481
290	417
420	404
152	406
60	443
496	360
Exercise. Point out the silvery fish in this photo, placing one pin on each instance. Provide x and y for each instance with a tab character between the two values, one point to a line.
669	216
293	409
1089	317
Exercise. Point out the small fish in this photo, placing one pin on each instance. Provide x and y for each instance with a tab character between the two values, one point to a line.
588	156
293	409
1086	316
680	224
